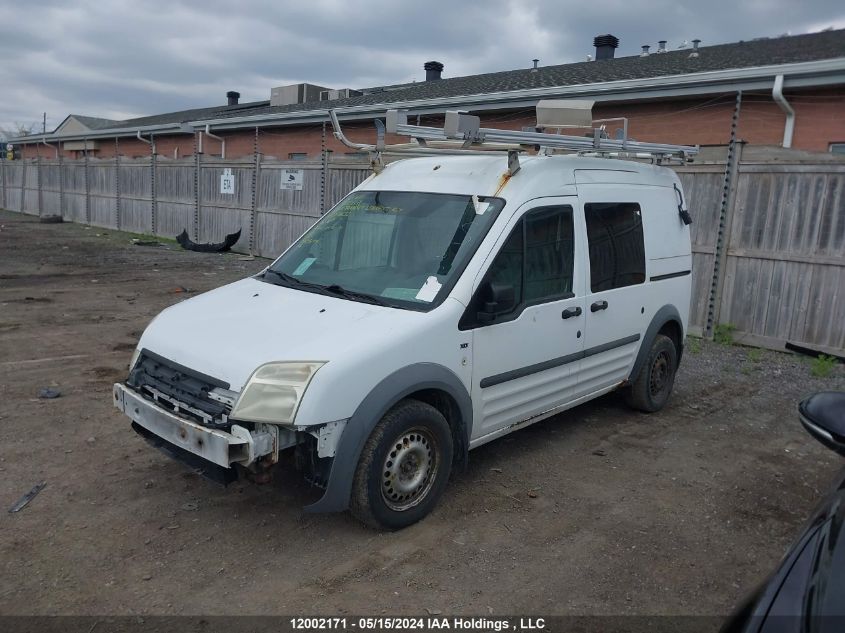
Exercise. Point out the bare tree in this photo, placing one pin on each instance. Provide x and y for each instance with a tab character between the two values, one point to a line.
17	129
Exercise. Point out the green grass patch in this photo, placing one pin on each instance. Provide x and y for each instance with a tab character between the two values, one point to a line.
755	354
724	333
823	365
693	345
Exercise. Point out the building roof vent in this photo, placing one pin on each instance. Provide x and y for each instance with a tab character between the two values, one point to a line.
661	46
232	97
605	45
433	71
645	52
695	44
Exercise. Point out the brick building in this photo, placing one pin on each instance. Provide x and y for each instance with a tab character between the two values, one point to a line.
788	91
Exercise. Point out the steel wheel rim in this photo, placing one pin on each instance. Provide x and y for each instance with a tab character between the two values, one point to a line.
409	469
660	371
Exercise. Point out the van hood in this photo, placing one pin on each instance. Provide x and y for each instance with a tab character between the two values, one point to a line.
229	332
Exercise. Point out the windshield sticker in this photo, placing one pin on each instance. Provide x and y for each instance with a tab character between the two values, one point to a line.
429	290
405	294
367	207
480	207
305	265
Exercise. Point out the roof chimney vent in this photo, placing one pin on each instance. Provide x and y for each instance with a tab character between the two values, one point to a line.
536	61
605	46
645	52
661	46
695	44
433	70
232	97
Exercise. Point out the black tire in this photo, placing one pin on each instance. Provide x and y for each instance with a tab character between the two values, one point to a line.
653	385
418	435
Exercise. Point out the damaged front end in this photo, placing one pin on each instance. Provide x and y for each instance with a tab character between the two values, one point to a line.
186	414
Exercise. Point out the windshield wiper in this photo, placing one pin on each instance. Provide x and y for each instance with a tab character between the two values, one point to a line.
290	279
333	289
355	296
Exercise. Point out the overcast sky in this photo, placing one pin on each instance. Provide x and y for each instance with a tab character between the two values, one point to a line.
123	58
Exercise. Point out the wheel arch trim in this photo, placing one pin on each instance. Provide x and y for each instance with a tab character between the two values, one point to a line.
392	389
667	314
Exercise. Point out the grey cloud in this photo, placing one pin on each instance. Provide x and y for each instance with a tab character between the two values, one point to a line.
123	58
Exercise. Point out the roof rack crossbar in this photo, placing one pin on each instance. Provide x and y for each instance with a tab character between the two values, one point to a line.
465	127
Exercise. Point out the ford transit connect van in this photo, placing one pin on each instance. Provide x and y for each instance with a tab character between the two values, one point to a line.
445	302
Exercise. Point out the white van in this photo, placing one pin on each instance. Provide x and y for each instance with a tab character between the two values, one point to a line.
445	302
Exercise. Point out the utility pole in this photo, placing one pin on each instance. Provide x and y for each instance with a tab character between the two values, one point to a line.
44	124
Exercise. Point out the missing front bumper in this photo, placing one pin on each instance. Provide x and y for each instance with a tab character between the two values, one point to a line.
240	446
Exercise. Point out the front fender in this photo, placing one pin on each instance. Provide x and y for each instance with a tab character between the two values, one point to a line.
387	393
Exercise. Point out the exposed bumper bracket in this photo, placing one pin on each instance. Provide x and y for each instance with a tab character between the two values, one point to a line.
241	446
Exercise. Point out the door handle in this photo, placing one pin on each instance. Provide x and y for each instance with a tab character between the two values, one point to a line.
598	305
570	312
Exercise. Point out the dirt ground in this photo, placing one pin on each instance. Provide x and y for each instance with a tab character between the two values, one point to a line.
596	511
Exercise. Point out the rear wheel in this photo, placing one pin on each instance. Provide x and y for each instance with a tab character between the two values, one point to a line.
653	385
403	468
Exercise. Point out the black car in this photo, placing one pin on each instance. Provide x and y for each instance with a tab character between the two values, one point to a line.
807	591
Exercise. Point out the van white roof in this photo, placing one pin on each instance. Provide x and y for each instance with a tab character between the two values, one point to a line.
487	175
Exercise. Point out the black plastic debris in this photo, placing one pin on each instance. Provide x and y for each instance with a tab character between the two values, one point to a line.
49	393
215	247
138	242
21	503
51	219
807	351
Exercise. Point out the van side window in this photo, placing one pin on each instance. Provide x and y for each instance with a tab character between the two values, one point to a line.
536	260
617	251
507	268
548	253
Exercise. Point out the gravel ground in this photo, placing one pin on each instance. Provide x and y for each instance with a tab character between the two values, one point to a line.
596	511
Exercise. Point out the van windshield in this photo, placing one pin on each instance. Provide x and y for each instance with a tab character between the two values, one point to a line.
404	249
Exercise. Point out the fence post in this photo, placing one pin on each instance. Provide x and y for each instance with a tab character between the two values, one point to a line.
23	181
725	220
324	170
61	183
197	189
256	179
153	202
3	180
87	182
117	209
38	180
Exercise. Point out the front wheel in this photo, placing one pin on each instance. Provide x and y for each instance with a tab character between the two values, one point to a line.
653	385
403	468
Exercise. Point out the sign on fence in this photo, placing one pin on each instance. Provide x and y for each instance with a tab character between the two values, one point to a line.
227	182
292	179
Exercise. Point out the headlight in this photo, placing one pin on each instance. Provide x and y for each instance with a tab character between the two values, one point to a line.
273	392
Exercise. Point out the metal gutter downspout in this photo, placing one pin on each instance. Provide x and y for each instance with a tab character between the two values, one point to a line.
214	136
151	143
55	148
340	136
789	127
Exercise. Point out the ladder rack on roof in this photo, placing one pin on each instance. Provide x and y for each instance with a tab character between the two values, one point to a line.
459	126
462	133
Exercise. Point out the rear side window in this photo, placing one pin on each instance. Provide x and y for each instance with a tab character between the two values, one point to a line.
617	251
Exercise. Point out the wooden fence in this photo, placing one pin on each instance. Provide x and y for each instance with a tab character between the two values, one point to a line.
161	196
768	235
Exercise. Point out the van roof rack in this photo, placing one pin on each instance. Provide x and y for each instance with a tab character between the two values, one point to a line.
462	133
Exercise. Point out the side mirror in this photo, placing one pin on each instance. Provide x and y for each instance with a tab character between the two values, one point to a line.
823	415
497	299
